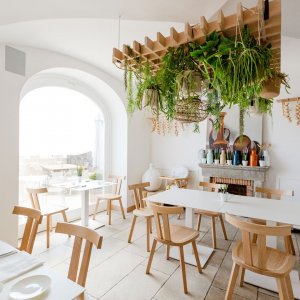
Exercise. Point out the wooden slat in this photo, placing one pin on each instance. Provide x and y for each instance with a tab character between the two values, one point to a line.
155	50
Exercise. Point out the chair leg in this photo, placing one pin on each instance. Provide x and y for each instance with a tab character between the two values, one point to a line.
131	229
48	231
197	256
213	232
109	211
223	227
168	252
65	219
148	233
107	207
182	264
151	256
122	209
50	223
289	287
282	290
233	276
150	222
96	209
199	222
242	276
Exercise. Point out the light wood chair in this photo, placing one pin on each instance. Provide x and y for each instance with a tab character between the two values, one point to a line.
211	187
259	258
173	235
48	210
34	218
275	195
81	233
141	210
114	196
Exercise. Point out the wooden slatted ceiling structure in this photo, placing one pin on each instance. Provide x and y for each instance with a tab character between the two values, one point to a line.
153	51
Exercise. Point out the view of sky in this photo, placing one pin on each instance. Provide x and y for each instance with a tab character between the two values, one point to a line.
57	121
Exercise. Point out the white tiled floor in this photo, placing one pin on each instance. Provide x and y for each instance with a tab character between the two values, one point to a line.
117	271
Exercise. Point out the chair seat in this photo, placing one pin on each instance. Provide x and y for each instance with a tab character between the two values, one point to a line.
143	212
278	263
207	213
108	197
53	209
182	235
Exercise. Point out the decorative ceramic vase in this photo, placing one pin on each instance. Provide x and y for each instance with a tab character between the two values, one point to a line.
223	157
203	160
201	155
224	197
253	158
267	158
152	175
229	162
210	156
217	161
236	158
245	163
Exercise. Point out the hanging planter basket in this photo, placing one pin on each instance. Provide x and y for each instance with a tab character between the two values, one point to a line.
191	111
271	88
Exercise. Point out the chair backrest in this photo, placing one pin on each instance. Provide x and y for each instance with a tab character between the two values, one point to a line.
161	218
273	193
81	233
34	218
138	190
34	198
262	231
182	183
118	180
210	187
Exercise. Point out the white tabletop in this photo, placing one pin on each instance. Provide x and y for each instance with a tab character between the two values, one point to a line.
61	287
189	198
83	185
59	167
284	211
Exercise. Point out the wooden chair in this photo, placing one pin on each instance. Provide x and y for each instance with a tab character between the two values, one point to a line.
211	187
114	196
48	211
141	210
81	233
276	195
173	235
181	183
34	218
259	258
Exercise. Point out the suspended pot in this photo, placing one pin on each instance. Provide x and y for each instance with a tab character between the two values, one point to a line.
271	88
191	84
151	99
191	111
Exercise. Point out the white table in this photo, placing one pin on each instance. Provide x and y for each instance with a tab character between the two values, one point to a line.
190	199
61	286
84	186
283	211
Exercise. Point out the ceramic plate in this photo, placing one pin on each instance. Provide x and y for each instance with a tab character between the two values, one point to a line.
30	287
179	172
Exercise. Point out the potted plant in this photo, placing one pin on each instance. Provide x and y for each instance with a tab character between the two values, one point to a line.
245	157
223	192
217	156
79	172
229	156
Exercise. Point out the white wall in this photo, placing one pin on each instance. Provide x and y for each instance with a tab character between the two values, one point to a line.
170	151
11	86
282	135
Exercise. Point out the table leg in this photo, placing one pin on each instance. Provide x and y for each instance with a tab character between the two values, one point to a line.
269	283
189	257
85	221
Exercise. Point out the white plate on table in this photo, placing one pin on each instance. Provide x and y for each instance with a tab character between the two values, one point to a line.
30	287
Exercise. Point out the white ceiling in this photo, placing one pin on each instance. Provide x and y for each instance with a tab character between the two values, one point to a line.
88	30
